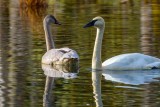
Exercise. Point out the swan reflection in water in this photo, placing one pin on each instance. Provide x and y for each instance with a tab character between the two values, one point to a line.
52	73
96	83
135	77
127	77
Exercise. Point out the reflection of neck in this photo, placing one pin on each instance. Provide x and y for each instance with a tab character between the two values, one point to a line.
96	59
48	36
96	83
47	92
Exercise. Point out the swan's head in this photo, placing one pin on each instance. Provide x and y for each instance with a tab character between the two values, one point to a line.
51	19
97	22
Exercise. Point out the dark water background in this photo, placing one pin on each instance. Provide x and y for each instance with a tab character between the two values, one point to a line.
130	27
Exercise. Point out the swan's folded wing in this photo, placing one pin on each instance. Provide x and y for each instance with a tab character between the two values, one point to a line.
56	56
68	54
51	56
131	61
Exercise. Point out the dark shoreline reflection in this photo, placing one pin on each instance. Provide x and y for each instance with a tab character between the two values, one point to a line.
52	73
33	17
136	77
147	35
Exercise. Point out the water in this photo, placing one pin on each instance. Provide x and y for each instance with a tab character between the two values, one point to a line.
129	28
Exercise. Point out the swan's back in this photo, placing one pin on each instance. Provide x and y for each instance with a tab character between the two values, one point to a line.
59	56
131	61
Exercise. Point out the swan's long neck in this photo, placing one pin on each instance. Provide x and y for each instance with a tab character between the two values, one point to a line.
48	36
96	59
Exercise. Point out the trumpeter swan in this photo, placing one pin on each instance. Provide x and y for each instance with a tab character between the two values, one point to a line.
56	56
130	61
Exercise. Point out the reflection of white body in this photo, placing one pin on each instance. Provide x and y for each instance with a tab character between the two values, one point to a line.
55	56
59	71
134	77
132	61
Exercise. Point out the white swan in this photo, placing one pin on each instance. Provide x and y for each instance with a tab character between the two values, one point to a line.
56	56
131	61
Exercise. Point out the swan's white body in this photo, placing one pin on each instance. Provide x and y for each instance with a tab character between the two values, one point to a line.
56	56
59	56
132	61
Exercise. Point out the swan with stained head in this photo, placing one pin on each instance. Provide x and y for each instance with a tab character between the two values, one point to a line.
130	61
55	56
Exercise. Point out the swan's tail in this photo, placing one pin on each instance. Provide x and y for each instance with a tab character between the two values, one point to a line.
155	65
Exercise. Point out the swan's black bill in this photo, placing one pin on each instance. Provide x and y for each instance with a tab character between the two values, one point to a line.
91	23
54	19
57	22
